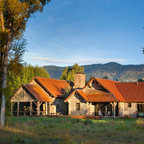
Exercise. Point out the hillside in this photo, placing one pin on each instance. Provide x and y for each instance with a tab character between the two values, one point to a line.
112	70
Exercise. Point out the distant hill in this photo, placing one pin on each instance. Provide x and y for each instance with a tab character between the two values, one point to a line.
112	70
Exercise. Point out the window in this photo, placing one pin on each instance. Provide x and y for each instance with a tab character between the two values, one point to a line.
140	107
129	104
77	106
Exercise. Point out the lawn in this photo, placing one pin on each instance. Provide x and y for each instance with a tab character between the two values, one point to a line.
43	130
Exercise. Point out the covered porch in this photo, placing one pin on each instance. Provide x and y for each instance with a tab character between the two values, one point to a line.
30	100
106	109
28	108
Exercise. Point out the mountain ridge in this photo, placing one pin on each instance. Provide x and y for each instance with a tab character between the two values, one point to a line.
112	70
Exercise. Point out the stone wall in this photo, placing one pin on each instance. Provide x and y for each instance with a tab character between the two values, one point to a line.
79	80
56	104
85	107
125	110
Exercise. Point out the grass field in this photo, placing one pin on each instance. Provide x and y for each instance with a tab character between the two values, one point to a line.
43	130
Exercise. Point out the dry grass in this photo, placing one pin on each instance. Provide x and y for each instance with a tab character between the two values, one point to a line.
42	130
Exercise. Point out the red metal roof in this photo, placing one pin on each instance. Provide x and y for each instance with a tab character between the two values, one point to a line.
111	87
124	92
101	98
53	86
132	92
37	92
94	96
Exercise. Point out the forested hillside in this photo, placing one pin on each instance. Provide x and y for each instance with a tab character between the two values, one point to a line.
112	70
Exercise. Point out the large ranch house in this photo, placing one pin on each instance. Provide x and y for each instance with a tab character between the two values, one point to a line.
99	97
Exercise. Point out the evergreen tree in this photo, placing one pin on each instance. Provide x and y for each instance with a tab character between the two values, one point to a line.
69	72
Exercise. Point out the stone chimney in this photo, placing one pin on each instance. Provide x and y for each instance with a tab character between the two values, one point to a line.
79	80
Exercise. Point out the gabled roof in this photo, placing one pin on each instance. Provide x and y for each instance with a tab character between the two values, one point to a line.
80	92
122	91
53	86
110	86
94	96
37	92
132	92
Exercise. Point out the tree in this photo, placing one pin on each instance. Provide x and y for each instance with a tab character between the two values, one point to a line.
105	77
69	72
14	15
140	80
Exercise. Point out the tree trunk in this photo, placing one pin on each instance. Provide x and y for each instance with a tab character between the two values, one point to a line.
4	84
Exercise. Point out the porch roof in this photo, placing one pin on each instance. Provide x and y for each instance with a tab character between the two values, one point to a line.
94	96
110	86
37	92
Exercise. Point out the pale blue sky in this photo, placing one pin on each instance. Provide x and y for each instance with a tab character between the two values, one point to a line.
86	32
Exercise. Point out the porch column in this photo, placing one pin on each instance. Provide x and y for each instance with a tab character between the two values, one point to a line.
49	108
31	108
11	108
69	108
46	108
114	109
38	108
18	108
106	112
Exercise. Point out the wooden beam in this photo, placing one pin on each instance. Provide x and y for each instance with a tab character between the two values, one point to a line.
18	103
38	108
40	103
11	108
114	109
46	107
31	108
106	111
49	108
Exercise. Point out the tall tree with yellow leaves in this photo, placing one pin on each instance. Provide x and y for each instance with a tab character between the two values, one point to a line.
14	15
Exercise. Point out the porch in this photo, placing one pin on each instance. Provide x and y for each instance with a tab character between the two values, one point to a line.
20	108
106	109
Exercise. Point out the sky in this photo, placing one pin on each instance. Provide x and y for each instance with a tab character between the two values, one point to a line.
86	32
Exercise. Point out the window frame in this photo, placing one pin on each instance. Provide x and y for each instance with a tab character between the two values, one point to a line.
77	106
129	105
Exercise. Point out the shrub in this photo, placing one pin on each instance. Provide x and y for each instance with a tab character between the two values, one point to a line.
75	121
87	122
65	139
140	122
19	140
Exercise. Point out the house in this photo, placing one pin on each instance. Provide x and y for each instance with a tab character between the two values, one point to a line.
100	97
42	96
107	98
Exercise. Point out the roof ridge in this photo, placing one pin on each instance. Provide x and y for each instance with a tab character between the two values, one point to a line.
37	88
108	80
51	78
97	79
30	90
45	89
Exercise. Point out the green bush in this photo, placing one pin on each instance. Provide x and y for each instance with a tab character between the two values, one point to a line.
140	122
87	122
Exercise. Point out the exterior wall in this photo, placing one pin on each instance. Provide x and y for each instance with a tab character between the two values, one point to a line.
124	110
79	80
85	107
22	96
56	104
